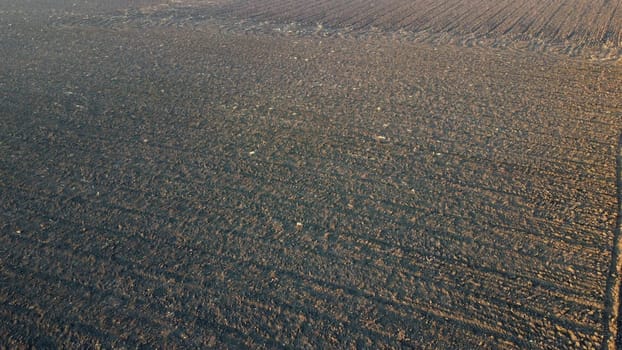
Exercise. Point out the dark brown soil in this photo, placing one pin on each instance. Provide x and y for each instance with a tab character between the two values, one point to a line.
187	183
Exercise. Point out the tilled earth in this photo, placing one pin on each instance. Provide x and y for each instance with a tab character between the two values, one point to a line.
209	186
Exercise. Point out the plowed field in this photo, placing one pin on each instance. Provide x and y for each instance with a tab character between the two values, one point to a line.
275	174
584	22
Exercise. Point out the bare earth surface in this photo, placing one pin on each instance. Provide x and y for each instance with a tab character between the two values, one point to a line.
205	174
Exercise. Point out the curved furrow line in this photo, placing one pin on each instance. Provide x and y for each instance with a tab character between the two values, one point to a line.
319	13
542	19
334	14
299	12
494	21
390	20
580	34
438	13
436	180
340	17
528	274
125	200
361	18
421	16
253	9
387	20
457	178
480	277
407	18
442	261
268	246
338	139
507	18
475	19
572	27
556	30
468	21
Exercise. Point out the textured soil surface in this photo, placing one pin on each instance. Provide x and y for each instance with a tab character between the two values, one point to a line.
191	175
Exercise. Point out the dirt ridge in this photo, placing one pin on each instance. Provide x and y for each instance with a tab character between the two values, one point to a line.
614	322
